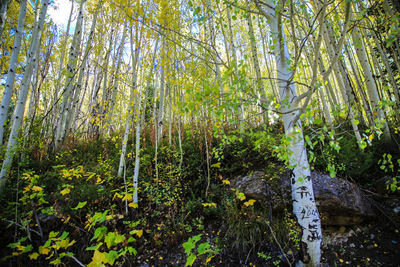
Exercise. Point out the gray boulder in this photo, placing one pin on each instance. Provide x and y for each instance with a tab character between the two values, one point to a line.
339	201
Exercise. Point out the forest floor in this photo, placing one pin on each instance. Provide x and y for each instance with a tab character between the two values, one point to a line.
376	243
172	210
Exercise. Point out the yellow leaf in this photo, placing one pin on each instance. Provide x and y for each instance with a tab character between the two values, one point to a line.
133	205
371	137
117	195
209	259
64	243
37	188
98	258
210	205
127	197
98	180
139	233
44	251
241	196
34	256
249	203
226	182
216	165
65	191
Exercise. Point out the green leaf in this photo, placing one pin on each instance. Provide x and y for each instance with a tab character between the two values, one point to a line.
188	246
113	239
203	248
53	234
111	256
64	235
190	260
99	233
28	248
132	251
55	262
96	247
80	205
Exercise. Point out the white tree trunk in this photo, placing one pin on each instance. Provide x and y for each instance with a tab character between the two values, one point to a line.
370	84
78	90
69	86
304	206
131	110
20	106
54	104
116	76
8	90
343	86
233	48
256	66
160	113
3	15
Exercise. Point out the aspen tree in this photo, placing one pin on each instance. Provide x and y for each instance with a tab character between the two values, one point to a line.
55	103
34	96
370	84
388	69
256	66
135	60
339	72
131	103
304	206
105	91
268	63
76	98
235	66
3	14
160	112
18	115
116	75
12	69
69	83
366	106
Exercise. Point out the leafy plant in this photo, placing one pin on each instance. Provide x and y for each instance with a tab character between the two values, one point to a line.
194	251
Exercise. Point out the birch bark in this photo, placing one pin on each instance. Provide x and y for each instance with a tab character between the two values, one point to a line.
370	84
12	68
20	106
69	83
304	206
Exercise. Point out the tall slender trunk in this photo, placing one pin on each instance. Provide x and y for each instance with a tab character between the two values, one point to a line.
84	64
360	89
304	206
131	109
236	71
160	113
256	66
3	15
269	68
55	104
69	83
20	106
139	125
8	90
116	77
342	82
370	84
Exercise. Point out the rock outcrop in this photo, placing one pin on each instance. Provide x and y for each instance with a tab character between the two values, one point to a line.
339	201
